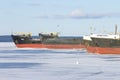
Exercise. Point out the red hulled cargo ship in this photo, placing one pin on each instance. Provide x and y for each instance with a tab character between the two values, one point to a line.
50	41
103	43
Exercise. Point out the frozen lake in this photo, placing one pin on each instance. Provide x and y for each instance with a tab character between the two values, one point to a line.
46	64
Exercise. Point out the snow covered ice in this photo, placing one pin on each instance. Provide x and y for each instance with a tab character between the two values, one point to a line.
47	64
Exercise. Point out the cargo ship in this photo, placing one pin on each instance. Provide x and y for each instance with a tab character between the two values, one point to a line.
106	44
103	43
49	40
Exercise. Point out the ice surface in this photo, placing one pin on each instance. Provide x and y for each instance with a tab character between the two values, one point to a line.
46	64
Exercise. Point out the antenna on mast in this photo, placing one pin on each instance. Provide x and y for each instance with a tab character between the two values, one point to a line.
91	30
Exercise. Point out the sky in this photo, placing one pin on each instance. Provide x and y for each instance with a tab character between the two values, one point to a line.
68	17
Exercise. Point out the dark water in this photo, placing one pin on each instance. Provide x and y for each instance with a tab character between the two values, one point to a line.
5	38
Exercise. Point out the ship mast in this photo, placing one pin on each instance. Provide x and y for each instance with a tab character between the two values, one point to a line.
116	29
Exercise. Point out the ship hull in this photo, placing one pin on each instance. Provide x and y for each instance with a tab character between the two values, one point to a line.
101	50
50	46
90	49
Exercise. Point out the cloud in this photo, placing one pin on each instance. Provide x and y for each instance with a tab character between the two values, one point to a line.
60	16
90	16
79	14
51	17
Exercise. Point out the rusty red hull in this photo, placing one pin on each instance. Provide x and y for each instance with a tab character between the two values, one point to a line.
100	50
50	46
